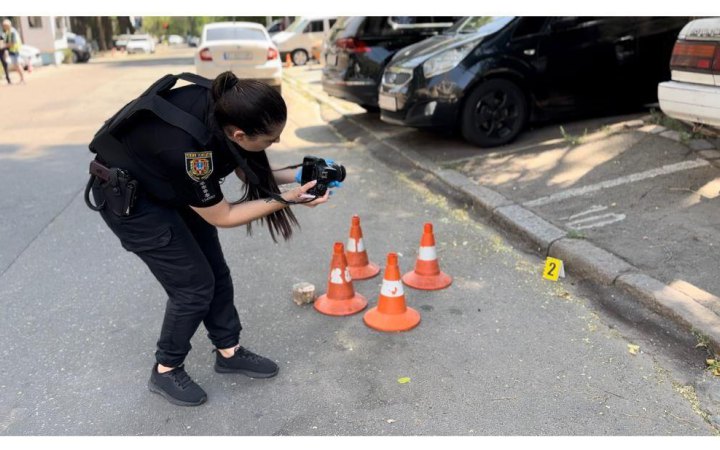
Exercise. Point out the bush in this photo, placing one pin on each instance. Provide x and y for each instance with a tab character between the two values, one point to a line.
67	56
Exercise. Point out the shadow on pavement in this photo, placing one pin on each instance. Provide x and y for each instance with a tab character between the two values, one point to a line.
317	134
175	61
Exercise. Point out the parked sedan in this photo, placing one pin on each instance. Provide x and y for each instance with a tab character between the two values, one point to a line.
694	92
141	43
244	48
29	57
358	48
488	77
80	48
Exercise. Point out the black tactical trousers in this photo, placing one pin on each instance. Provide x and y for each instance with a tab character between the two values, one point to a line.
184	254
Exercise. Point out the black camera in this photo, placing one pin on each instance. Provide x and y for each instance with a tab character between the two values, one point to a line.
314	168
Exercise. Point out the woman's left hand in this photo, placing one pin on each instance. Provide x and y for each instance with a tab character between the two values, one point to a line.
299	194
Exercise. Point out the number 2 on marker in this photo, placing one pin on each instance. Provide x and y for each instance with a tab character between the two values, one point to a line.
553	269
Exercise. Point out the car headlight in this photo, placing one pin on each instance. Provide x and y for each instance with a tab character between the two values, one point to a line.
447	60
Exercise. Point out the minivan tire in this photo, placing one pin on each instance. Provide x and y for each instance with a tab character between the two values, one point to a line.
494	113
300	57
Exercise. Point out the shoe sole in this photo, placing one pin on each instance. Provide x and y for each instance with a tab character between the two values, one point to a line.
249	373
154	388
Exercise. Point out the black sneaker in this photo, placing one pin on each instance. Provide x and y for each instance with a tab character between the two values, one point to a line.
246	363
177	387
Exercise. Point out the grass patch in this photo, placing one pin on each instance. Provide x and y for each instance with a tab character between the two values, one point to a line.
575	234
687	131
572	139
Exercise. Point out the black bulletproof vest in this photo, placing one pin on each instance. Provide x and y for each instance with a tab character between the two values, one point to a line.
111	150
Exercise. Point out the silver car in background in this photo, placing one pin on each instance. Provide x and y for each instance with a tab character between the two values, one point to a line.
244	48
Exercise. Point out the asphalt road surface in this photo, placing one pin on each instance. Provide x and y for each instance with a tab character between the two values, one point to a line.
500	352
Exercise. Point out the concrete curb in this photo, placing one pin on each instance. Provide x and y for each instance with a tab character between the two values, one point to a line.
581	258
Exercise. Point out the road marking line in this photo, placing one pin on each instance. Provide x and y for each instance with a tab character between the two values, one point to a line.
595	221
594	209
664	170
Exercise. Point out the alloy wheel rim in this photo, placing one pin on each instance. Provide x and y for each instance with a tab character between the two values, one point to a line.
300	59
496	114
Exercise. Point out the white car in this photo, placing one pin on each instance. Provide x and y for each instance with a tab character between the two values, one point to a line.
142	43
693	94
28	56
301	36
174	39
242	47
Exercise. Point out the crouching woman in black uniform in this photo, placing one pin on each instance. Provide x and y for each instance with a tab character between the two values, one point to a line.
172	223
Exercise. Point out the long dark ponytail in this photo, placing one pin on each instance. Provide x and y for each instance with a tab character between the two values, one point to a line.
256	109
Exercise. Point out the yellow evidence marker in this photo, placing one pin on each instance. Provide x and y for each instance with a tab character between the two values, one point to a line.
554	268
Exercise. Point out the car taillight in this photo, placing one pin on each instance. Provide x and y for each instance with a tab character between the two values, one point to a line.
205	55
272	54
696	56
352	45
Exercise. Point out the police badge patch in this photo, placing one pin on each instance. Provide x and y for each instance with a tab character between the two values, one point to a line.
199	165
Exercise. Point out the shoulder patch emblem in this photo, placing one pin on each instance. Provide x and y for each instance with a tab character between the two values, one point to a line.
199	165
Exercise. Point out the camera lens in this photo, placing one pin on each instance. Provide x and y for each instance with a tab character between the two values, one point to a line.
341	173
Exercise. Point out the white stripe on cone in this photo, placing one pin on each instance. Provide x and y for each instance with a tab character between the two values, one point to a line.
336	276
427	254
355	246
392	288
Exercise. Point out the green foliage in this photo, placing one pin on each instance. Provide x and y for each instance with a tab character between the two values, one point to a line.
67	56
190	25
572	139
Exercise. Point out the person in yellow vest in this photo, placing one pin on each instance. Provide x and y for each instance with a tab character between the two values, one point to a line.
13	43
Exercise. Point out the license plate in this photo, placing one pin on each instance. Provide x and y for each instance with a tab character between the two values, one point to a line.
331	60
238	56
387	102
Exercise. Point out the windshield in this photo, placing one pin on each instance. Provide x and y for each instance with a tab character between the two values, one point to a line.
296	26
235	33
479	24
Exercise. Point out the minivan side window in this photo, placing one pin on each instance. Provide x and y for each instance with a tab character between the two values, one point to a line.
529	26
316	26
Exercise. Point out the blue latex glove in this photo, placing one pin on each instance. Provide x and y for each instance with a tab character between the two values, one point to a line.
332	184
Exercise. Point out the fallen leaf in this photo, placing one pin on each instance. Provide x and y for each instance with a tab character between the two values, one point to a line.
633	349
716	372
709	362
404	380
391	421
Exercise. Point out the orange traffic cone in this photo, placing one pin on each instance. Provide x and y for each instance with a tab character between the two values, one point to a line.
360	267
341	299
427	275
288	61
391	313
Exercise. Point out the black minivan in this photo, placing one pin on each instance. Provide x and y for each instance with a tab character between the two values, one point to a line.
490	76
358	48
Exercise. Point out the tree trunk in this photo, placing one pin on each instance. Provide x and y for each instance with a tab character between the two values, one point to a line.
99	34
126	27
107	31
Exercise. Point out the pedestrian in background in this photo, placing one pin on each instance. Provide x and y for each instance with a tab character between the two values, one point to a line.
13	43
4	57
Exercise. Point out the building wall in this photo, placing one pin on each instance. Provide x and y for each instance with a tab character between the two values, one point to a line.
48	34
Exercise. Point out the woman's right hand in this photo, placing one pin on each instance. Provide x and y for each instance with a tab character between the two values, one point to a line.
299	194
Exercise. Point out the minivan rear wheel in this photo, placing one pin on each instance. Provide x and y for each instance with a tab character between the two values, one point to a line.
494	113
300	57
